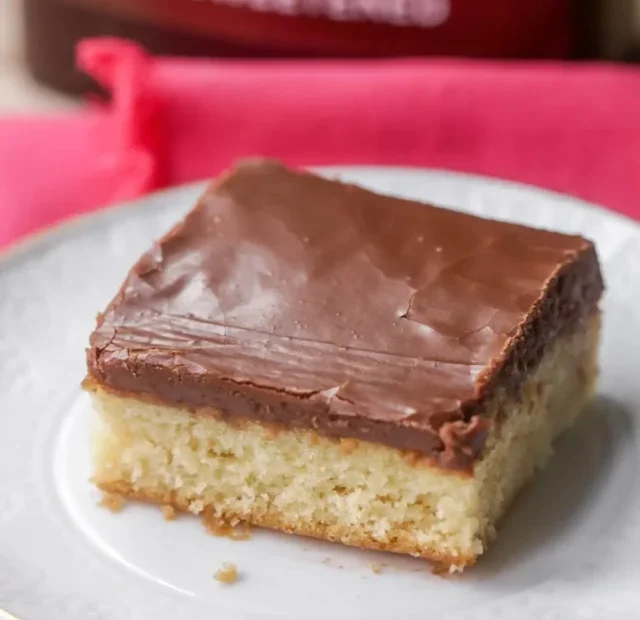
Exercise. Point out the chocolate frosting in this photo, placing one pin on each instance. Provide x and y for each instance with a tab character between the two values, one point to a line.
290	299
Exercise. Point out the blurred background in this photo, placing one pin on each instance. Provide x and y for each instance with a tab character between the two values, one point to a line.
102	101
37	37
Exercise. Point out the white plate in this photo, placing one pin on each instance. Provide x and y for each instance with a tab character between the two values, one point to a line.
569	549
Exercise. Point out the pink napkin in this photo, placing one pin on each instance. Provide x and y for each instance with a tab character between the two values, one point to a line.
571	128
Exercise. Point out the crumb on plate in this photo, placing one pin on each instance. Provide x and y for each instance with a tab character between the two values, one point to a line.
112	502
169	512
235	530
228	573
444	570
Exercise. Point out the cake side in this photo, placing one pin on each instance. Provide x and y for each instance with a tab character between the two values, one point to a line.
354	492
358	316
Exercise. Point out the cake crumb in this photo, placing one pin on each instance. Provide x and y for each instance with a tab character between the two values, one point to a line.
444	570
235	530
227	574
168	512
112	502
375	567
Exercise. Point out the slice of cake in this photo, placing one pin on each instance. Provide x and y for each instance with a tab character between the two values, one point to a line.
315	358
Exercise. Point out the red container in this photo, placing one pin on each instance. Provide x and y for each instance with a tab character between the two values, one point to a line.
306	28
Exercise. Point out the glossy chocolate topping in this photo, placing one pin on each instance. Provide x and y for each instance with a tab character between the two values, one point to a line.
295	300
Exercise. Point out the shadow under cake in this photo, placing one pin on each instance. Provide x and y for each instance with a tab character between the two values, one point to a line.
309	356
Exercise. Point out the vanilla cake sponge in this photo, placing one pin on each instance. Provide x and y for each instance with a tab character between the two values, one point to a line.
312	357
350	491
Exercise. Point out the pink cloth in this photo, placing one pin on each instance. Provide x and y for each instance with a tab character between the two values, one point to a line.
571	128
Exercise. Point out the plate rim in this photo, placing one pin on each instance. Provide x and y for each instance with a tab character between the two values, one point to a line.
73	224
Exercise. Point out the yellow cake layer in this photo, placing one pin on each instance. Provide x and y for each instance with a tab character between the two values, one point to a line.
349	491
